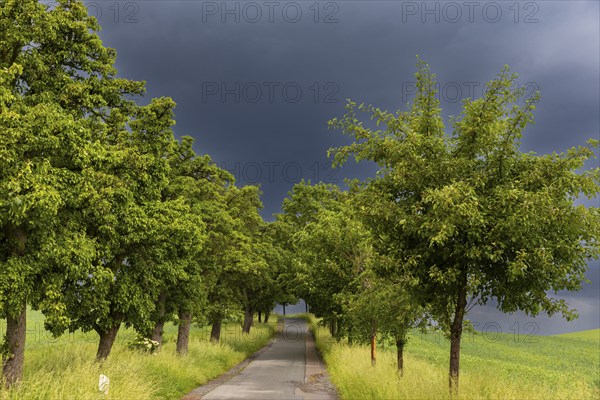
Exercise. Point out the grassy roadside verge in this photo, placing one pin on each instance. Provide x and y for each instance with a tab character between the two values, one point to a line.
505	368
64	368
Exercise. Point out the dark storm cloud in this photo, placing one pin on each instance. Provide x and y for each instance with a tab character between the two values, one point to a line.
255	82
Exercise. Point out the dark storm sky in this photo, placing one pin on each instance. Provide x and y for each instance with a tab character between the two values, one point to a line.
256	82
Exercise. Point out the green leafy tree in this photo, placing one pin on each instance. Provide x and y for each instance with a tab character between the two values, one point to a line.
472	217
143	239
385	298
252	271
305	205
282	287
382	305
350	282
223	296
54	74
203	186
241	268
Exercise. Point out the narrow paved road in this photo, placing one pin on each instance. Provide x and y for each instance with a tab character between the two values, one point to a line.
288	369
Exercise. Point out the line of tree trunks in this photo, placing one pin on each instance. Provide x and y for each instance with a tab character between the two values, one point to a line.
456	333
16	332
183	333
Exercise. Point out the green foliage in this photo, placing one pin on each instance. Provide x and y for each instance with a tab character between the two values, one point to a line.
340	272
472	203
384	305
59	97
201	185
315	255
468	217
106	217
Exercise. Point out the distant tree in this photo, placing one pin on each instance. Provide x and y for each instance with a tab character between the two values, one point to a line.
242	268
472	217
252	270
315	279
223	295
384	307
277	286
349	281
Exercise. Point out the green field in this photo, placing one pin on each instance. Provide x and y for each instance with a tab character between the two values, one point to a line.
503	366
64	368
592	334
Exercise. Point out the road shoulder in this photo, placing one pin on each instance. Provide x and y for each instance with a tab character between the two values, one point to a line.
317	385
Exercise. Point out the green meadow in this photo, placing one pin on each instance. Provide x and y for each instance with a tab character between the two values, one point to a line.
493	366
592	334
64	368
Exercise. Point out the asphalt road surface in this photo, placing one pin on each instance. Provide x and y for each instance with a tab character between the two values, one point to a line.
288	369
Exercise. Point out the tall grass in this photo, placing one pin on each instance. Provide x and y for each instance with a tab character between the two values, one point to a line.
550	368
65	368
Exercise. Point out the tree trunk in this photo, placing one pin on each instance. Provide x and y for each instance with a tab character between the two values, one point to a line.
284	310
16	332
456	333
259	316
350	335
350	338
400	355
16	323
183	333
107	339
215	332
373	347
267	313
157	332
248	319
332	328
